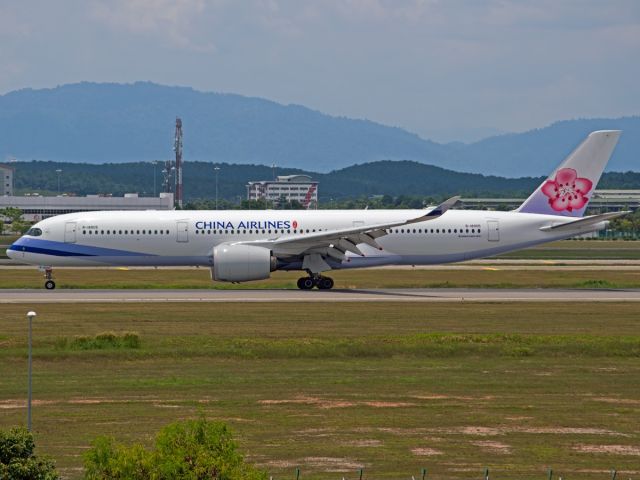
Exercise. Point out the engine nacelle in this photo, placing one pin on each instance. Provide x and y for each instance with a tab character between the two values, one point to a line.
241	263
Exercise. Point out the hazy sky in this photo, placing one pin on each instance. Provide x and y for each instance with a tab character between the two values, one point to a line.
444	69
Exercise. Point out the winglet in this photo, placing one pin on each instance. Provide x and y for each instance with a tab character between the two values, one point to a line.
437	211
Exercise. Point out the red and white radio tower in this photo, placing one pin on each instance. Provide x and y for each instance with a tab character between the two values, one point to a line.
177	147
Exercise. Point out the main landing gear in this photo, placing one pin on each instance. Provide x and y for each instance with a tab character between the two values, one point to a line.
49	284
322	283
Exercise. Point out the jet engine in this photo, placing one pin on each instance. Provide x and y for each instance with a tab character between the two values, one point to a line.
241	263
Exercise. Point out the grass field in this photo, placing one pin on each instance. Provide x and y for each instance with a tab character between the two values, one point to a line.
580	250
333	387
607	277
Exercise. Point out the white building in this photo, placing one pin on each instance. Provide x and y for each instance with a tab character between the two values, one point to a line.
6	180
286	187
36	207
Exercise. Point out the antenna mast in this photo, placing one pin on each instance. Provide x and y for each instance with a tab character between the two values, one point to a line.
177	147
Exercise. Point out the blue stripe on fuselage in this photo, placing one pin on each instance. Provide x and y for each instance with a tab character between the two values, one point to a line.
60	249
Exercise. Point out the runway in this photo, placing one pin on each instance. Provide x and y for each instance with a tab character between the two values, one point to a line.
34	296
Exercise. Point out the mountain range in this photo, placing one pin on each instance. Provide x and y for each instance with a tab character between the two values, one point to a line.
104	122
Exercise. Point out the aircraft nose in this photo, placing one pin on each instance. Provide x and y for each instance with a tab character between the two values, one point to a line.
10	252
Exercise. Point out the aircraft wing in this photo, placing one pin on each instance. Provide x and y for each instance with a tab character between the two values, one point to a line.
335	243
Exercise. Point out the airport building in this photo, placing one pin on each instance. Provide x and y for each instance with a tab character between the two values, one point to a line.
37	207
602	201
6	184
285	187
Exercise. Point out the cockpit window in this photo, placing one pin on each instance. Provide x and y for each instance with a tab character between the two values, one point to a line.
34	232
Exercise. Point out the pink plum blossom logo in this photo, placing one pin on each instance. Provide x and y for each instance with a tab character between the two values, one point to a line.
567	191
295	224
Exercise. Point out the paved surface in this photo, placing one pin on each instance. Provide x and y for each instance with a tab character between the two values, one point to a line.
382	295
487	264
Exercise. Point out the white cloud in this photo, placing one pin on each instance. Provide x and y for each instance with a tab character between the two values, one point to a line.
420	64
164	20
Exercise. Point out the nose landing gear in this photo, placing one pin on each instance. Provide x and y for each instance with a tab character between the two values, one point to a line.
322	283
49	284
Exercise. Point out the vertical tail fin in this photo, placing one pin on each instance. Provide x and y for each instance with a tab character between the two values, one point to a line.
569	188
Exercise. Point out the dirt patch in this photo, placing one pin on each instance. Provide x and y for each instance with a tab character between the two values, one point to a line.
280	464
481	431
567	431
462	398
332	464
618	401
613	449
16	403
389	404
364	443
314	401
493	446
425	452
326	403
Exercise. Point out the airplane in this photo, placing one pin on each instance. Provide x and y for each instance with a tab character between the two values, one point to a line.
245	245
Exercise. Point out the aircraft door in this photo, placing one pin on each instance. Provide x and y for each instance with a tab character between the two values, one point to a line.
493	230
182	229
70	232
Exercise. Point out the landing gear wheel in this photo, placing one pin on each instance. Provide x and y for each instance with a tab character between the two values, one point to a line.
49	284
305	283
324	283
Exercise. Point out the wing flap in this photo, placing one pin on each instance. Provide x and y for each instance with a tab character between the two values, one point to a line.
300	244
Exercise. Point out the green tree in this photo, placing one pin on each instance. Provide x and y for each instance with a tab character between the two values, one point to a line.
18	460
190	450
15	216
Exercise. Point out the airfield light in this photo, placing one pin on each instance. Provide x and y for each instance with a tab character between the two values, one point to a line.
30	316
217	169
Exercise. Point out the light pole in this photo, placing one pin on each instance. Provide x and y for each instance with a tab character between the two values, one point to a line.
216	169
58	171
154	177
30	316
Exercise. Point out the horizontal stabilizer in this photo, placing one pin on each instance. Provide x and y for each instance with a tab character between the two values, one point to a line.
584	222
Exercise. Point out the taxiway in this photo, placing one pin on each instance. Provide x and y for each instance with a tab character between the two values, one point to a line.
29	296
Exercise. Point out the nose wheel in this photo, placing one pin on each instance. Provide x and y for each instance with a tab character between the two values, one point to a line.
322	283
49	284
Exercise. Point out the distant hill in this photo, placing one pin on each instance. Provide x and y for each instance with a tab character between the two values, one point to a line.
377	178
539	151
96	123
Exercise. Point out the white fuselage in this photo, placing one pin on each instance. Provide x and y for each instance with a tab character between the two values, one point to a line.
174	238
